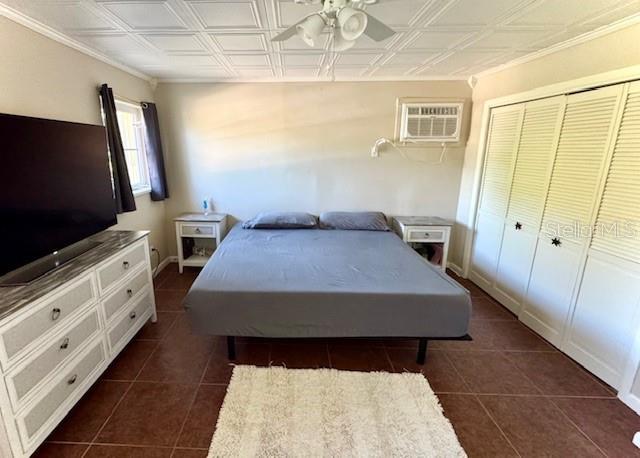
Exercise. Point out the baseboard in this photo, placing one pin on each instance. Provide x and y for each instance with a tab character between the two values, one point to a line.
165	262
455	268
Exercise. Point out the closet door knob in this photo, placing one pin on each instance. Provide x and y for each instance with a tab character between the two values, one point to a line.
518	226
556	241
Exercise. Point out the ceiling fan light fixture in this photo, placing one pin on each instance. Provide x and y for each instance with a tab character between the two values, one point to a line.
340	43
310	29
352	22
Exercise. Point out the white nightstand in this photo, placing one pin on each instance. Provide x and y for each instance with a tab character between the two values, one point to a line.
198	236
418	231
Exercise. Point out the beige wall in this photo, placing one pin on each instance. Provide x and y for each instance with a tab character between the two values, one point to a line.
301	147
610	52
42	78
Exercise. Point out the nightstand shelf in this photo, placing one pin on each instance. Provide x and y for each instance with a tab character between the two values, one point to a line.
426	234
198	236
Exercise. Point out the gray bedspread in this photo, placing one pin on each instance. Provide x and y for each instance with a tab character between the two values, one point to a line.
321	283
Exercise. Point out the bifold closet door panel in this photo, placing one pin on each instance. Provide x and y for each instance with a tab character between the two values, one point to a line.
585	139
536	150
605	317
502	142
606	313
583	149
553	276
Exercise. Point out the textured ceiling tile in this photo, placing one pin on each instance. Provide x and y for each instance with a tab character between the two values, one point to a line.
397	13
433	40
249	60
227	15
474	12
410	58
145	15
357	59
241	42
300	72
561	13
289	13
302	60
510	39
175	43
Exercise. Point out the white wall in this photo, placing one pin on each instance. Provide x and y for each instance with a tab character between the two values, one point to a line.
301	147
607	53
43	78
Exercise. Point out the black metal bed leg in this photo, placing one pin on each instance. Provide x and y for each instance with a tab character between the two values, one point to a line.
422	350
231	347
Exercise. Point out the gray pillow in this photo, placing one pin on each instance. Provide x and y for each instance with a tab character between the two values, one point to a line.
281	220
354	221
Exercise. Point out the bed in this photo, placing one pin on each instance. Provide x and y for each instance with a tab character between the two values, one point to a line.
324	283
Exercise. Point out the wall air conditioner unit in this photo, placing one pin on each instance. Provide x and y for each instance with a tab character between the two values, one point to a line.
430	122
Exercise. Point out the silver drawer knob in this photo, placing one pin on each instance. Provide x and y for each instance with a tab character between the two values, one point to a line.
130	292
197	230
125	265
133	315
72	380
55	314
65	344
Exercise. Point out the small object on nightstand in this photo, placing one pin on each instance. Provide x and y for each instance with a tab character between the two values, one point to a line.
198	235
428	235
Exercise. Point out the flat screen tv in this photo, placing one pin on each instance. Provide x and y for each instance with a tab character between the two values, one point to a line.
55	187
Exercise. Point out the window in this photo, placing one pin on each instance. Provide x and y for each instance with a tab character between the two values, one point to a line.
430	122
132	132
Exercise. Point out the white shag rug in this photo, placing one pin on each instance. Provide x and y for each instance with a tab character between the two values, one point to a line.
279	412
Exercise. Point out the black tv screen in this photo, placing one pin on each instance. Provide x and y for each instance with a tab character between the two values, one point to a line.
55	187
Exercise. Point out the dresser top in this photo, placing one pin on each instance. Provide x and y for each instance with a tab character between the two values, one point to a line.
13	298
422	221
201	217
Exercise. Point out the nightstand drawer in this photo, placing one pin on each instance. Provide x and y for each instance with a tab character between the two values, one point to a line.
200	230
426	235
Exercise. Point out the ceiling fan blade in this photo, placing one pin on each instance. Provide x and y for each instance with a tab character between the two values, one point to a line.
377	30
291	31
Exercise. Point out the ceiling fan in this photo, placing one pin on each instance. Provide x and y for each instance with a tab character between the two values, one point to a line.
345	19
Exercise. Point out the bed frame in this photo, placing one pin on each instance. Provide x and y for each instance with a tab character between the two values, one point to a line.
422	345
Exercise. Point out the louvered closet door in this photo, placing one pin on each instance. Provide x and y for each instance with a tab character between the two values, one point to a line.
536	150
583	147
502	143
605	316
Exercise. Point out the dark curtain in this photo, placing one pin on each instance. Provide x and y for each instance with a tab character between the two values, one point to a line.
155	159
125	201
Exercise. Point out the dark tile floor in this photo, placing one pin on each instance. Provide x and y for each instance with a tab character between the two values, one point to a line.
507	393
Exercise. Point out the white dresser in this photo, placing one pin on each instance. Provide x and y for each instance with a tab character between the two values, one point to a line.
58	334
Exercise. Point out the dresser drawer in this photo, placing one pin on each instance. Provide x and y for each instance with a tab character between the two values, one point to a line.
198	230
49	316
23	379
32	422
134	318
426	235
123	295
121	266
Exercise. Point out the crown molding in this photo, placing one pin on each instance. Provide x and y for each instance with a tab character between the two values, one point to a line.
43	29
582	38
315	79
